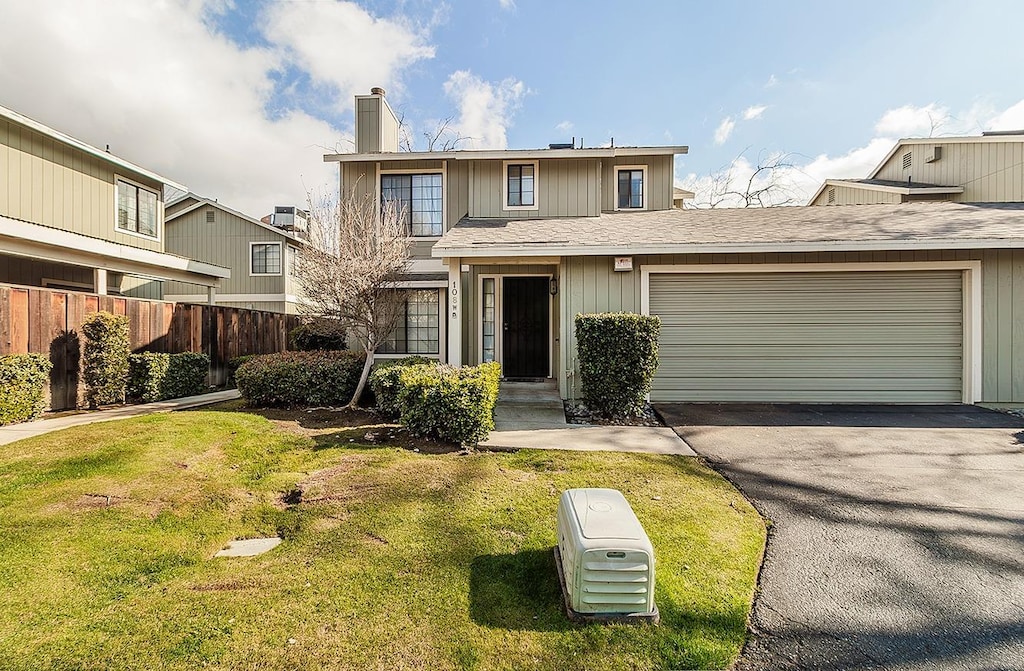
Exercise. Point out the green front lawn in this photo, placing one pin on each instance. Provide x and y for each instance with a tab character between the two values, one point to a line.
392	559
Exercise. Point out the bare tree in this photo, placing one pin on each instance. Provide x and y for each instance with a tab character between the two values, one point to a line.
357	253
740	184
442	137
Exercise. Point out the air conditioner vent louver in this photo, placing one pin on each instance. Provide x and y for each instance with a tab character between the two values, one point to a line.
908	159
604	555
211	216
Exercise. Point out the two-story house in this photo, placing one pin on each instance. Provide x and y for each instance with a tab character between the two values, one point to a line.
261	255
916	302
973	169
76	217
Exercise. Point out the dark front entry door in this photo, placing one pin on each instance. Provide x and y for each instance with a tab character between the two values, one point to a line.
526	327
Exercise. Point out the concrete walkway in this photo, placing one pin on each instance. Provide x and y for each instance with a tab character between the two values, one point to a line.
14	432
530	415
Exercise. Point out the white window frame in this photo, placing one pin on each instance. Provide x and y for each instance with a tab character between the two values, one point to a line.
504	187
443	171
159	208
615	178
266	242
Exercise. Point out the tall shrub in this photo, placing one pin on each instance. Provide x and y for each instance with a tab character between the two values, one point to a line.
146	374
618	355
453	404
105	358
23	379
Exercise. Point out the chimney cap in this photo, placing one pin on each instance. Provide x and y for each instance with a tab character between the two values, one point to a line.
377	91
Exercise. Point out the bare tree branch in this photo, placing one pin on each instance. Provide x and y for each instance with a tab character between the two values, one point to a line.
357	253
763	186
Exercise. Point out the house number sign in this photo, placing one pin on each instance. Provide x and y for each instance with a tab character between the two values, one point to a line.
453	293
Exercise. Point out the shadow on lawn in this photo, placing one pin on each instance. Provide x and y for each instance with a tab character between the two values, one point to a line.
516	591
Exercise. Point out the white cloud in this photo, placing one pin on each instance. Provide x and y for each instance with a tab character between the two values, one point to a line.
565	127
1011	118
171	94
754	112
349	49
772	81
485	109
724	130
507	4
911	121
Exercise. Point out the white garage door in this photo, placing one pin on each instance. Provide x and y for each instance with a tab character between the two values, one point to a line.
829	337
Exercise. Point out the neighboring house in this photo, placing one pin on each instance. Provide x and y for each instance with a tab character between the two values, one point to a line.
920	303
680	196
75	217
982	169
261	255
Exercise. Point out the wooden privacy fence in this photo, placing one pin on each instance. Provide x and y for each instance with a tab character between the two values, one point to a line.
46	321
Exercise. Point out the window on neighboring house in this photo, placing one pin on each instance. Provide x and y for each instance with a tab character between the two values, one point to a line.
631	189
265	258
419	328
136	209
520	185
293	254
419	197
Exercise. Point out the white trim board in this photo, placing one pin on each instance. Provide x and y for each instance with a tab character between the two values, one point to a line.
971	290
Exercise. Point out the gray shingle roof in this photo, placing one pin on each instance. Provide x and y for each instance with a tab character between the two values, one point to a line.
930	224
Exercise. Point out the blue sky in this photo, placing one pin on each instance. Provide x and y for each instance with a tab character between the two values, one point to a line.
239	99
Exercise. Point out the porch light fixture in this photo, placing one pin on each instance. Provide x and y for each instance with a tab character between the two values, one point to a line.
553	286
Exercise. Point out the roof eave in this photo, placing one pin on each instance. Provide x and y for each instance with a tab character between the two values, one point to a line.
87	148
557	249
485	154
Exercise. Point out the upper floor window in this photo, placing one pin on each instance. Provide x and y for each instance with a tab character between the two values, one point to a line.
630	188
420	199
520	187
264	258
136	209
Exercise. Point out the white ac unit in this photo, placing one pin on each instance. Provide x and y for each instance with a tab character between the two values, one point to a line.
605	560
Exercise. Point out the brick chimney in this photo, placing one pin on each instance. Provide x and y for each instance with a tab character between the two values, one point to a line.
376	124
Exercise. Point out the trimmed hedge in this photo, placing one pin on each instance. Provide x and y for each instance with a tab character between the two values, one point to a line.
155	377
105	358
618	355
186	376
23	379
291	379
316	336
453	404
385	384
146	374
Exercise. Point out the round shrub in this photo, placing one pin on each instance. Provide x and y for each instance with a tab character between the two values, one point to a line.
452	404
296	379
23	379
384	381
320	334
146	374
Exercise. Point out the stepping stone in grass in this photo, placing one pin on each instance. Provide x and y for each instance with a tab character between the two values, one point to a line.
249	547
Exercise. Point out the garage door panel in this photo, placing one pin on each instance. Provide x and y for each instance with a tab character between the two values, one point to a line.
946	367
819	334
810	337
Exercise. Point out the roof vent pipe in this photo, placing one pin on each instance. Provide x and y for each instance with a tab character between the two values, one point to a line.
376	91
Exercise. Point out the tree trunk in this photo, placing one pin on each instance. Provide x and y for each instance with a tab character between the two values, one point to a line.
363	377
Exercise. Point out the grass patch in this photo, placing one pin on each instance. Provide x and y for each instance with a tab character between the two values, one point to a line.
392	559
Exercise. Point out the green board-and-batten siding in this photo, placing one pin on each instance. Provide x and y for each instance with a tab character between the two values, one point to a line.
838	337
589	284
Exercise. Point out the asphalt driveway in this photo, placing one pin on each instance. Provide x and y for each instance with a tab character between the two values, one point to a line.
897	536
